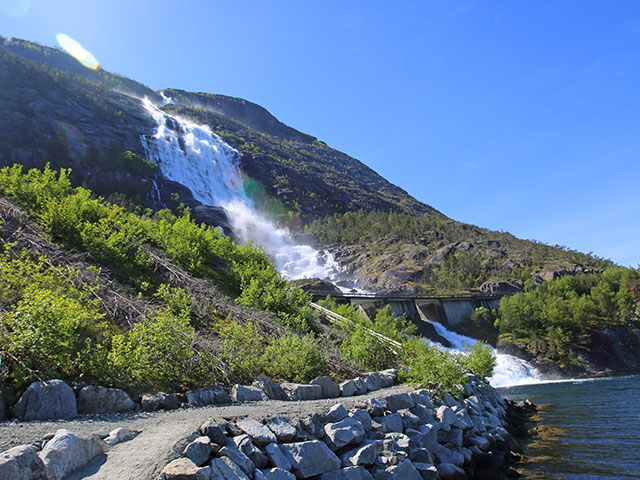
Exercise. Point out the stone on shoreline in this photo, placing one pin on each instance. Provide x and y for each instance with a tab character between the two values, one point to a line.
348	388
260	434
198	451
243	393
159	400
207	396
283	430
273	389
185	469
67	452
48	400
299	391
345	432
98	399
22	463
310	458
330	389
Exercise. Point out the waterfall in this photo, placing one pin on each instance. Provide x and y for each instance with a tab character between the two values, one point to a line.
509	370
197	158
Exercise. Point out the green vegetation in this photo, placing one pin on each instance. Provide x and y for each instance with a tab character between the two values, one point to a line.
426	364
54	325
554	319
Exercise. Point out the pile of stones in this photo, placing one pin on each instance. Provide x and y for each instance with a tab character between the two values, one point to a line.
406	435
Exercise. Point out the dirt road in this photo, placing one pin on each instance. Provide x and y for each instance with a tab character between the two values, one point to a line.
162	435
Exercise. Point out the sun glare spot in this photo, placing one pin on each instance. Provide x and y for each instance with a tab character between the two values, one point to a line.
77	51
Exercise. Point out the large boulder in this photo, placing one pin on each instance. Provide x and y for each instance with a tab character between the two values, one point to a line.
97	399
276	456
298	391
260	434
330	389
347	431
273	389
275	474
199	450
159	400
283	430
238	457
214	431
224	468
310	458
22	463
185	469
48	400
243	393
365	454
67	452
348	388
207	396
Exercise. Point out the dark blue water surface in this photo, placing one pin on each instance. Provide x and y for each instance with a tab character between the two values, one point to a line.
588	429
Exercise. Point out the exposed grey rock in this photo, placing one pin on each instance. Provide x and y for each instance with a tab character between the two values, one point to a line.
277	458
260	434
356	473
446	455
376	406
446	416
422	397
399	401
67	452
332	475
185	469
388	377
448	471
118	435
283	430
199	450
313	424
164	401
22	463
330	389
427	471
214	431
361	387
362	416
223	468
449	401
426	414
480	442
238	457
245	444
373	381
277	474
409	419
395	442
310	458
207	396
391	422
453	438
364	454
52	399
243	393
98	399
336	413
429	433
345	432
348	388
273	389
463	419
422	456
298	391
404	470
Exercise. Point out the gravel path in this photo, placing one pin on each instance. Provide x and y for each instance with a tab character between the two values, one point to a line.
162	435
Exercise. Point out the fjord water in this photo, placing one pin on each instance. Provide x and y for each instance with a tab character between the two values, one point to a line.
197	158
589	428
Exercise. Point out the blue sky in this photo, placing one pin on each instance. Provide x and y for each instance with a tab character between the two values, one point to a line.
522	116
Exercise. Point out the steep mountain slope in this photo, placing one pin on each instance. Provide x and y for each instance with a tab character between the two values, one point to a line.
54	110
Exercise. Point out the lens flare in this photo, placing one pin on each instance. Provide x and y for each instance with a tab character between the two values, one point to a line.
77	51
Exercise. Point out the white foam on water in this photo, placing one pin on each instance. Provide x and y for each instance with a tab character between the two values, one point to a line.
509	370
194	156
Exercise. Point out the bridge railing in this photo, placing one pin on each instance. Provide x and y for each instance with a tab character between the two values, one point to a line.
402	296
335	318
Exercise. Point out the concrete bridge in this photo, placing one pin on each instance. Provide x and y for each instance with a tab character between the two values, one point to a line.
451	311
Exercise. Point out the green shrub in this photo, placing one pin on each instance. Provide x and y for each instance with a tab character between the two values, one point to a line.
478	359
241	347
155	354
365	351
294	358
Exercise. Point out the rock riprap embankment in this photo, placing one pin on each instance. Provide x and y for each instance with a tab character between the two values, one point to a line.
406	435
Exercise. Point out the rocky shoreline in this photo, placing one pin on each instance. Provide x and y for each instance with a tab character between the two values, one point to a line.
383	436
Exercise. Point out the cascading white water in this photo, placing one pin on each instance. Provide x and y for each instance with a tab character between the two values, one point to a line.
509	370
197	158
